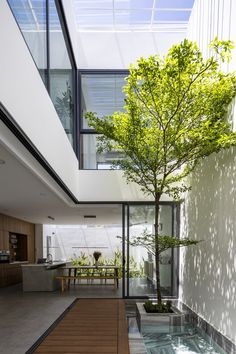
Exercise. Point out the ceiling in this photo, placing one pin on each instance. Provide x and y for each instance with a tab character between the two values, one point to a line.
25	196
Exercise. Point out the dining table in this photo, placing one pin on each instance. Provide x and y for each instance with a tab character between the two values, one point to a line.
94	271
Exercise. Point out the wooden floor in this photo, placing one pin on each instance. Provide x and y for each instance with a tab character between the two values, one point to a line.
91	326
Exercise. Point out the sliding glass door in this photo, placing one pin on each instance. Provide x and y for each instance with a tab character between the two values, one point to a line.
140	268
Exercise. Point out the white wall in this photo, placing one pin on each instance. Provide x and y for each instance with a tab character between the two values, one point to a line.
210	19
109	186
208	270
112	50
23	94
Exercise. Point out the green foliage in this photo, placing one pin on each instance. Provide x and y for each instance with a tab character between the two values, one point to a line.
81	260
147	241
175	115
136	270
64	105
150	307
223	48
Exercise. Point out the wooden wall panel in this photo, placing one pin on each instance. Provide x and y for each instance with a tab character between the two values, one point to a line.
10	224
12	273
1	240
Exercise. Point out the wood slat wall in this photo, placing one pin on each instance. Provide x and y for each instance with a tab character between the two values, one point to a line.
91	326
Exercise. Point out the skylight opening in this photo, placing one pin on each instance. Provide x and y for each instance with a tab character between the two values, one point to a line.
120	15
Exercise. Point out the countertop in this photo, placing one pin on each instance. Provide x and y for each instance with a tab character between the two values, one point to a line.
52	265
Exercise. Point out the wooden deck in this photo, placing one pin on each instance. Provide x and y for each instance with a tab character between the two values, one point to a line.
91	326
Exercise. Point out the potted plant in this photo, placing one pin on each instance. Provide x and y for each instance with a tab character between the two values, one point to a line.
96	255
174	116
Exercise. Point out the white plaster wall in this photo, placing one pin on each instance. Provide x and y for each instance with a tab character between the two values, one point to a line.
208	270
114	50
23	94
109	186
210	19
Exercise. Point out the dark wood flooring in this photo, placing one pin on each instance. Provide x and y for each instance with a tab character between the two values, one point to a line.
91	326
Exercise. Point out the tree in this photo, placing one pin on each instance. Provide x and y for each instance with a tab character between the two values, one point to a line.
64	108
175	115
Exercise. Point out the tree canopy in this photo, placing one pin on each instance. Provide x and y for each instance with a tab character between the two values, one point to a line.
174	115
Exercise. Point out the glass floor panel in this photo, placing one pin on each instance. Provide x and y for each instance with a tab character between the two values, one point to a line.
178	340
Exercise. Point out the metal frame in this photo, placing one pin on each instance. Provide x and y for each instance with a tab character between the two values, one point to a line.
125	249
66	36
82	131
12	125
175	262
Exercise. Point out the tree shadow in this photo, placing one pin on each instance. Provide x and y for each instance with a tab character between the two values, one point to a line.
208	270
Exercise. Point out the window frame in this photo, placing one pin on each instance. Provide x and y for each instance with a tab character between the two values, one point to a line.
80	130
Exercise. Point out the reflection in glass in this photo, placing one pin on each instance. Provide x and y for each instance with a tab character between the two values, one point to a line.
92	160
31	18
61	88
102	94
142	218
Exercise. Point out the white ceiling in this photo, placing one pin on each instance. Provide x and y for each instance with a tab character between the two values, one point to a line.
23	195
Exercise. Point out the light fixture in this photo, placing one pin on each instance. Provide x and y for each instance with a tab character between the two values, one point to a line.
51	217
90	216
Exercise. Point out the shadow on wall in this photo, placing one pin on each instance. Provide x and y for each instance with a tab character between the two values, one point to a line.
208	277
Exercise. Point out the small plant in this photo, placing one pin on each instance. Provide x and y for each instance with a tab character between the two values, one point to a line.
136	270
96	255
81	260
164	307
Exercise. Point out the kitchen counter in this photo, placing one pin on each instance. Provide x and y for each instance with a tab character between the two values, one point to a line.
11	273
41	277
46	265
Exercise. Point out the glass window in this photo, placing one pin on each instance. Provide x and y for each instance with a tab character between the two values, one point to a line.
61	84
108	15
91	159
31	18
101	93
172	16
141	217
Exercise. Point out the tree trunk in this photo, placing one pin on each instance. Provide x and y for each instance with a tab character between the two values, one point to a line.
156	228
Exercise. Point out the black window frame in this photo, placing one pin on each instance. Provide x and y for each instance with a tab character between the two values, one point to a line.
69	47
80	130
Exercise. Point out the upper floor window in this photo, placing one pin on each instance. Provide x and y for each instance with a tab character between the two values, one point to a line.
40	25
103	94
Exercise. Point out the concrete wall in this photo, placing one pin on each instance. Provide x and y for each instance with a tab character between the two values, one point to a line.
208	271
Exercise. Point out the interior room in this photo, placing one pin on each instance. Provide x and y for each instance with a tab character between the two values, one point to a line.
69	217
